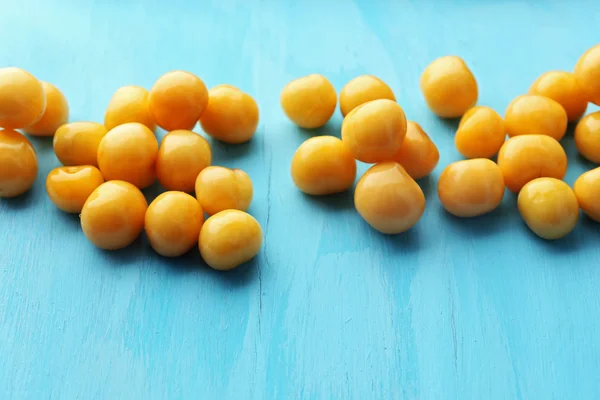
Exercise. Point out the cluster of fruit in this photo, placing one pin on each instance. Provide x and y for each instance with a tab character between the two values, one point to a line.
107	165
531	162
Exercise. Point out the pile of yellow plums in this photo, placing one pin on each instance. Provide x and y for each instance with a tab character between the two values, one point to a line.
105	166
531	163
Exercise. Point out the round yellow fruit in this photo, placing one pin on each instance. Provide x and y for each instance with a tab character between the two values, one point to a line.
230	238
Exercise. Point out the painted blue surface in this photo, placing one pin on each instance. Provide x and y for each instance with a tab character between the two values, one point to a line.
454	309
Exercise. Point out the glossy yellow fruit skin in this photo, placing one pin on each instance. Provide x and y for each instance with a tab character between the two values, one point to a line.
363	89
309	101
113	216
562	87
177	100
322	165
470	188
55	114
449	87
549	207
587	191
18	164
527	157
587	72
535	115
77	143
388	198
480	133
587	137
181	157
230	238
129	104
172	223
231	115
128	153
418	155
70	187
220	188
374	131
22	98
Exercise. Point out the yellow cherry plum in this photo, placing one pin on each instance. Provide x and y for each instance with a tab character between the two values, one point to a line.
55	114
230	238
22	98
322	166
480	133
18	164
129	104
535	115
562	87
449	87
470	188
549	207
231	115
220	188
587	191
374	131
587	72
181	157
113	215
309	101
388	198
70	187
527	157
587	137
418	155
363	89
128	152
172	223
177	100
77	143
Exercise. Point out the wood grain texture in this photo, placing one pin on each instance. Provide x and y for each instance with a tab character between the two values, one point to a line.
453	309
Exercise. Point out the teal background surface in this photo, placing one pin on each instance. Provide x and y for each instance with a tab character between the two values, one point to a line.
330	309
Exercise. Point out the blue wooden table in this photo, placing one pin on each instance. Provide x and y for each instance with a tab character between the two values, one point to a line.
453	309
